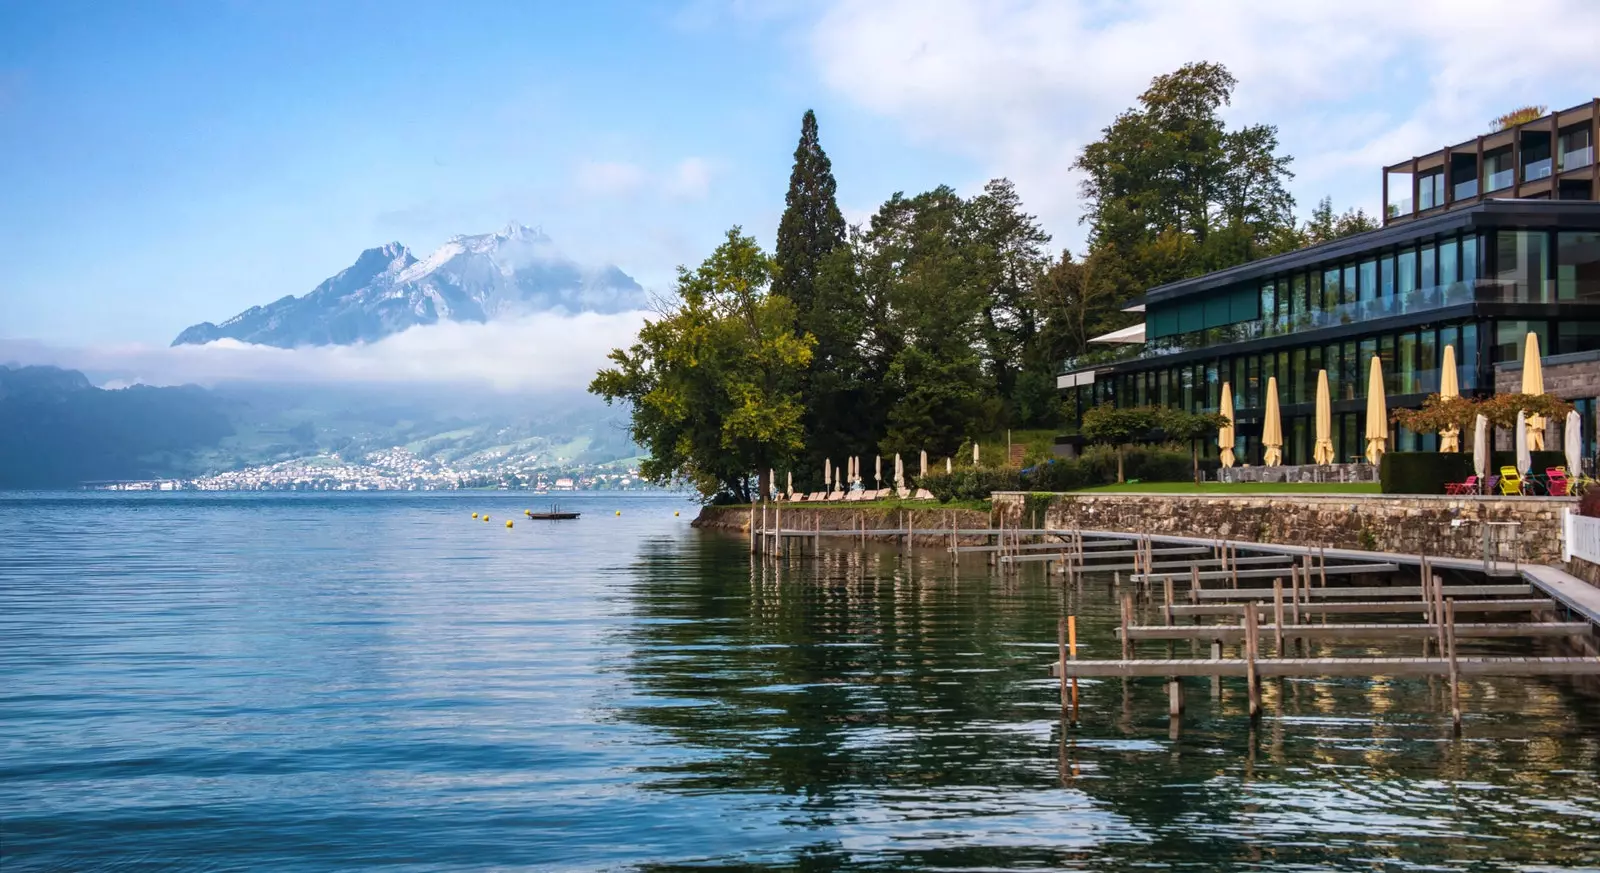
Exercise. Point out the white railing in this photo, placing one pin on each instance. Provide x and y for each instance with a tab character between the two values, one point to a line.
1581	537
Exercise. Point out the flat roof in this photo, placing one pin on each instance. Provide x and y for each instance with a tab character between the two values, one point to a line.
1491	213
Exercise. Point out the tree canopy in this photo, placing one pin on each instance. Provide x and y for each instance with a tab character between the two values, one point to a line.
713	382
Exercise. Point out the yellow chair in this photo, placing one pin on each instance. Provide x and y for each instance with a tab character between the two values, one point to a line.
1510	481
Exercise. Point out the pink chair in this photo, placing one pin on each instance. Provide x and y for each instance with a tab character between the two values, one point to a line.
1468	487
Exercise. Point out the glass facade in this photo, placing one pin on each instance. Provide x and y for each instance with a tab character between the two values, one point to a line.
1397	290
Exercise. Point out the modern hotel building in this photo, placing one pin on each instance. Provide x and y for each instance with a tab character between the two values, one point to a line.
1482	243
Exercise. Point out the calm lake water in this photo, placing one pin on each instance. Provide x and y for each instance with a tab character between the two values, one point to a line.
248	682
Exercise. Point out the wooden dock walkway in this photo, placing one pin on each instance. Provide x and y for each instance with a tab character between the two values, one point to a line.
1313	667
1214	575
1369	607
1231	633
1261	592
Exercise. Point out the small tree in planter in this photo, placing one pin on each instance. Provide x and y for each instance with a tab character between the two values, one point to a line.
1191	427
1106	425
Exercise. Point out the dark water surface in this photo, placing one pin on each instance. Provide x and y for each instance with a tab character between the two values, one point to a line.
246	682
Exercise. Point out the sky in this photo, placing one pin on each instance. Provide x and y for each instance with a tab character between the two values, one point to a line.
165	163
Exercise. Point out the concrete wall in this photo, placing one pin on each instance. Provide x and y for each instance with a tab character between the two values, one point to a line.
1449	526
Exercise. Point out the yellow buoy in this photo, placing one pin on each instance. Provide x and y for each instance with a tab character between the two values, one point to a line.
486	518
619	512
528	513
474	515
508	522
674	513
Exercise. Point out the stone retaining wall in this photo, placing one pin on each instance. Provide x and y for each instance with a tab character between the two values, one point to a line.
846	517
1417	524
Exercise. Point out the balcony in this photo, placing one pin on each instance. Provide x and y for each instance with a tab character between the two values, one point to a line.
1537	170
1500	179
1580	157
1466	190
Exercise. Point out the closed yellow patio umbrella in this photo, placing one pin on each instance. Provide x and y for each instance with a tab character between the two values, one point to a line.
1533	383
1377	414
1225	434
1449	387
1322	452
1272	428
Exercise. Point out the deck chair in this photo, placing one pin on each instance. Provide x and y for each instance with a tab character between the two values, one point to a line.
1468	487
1556	477
1510	481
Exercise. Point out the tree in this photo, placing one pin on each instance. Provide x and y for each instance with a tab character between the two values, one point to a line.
1172	193
1107	425
714	382
811	226
815	270
1324	225
1183	426
1521	115
1010	248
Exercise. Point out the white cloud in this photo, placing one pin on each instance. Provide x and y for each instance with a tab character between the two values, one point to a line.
1354	84
610	178
543	352
690	179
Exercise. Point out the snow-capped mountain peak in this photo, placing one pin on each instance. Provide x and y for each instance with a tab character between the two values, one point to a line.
470	278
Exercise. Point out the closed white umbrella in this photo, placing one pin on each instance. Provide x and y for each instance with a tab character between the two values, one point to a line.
1322	453
899	472
1225	436
877	471
827	473
1377	414
772	484
1449	386
947	465
1573	443
923	470
1480	447
1533	383
974	453
788	490
1524	457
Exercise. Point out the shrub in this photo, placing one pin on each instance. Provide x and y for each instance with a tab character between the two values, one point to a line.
970	483
1541	461
1422	472
1589	503
1057	475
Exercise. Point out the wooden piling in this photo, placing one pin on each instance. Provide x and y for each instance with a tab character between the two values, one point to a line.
1455	670
1233	566
1127	621
1251	639
1174	697
1277	615
1061	644
1167	601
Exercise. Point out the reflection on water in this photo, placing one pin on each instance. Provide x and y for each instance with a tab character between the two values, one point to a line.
254	682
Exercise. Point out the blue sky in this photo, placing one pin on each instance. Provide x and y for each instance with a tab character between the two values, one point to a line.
167	163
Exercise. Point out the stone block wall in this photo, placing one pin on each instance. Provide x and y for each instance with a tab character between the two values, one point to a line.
1570	377
1412	524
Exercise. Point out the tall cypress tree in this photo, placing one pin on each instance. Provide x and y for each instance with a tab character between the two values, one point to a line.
812	226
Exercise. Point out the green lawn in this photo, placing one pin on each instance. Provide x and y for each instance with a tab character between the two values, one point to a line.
1236	488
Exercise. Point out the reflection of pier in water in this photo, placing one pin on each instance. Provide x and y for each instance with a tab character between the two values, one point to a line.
1218	582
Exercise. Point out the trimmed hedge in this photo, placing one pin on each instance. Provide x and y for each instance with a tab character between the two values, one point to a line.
1422	472
1096	467
1541	461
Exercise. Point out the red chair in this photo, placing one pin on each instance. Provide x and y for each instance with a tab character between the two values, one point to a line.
1468	487
1556	481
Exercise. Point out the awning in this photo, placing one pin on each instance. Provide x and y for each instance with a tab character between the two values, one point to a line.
1133	334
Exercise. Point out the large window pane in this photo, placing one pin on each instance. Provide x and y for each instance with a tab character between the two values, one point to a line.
1297	296
1511	338
1314	292
1306	384
1467	355
1386	277
1348	292
1469	258
1406	269
1578	265
1368	280
1350	386
1428	363
1391	379
1448	270
1405	364
1520	259
1362	365
1577	336
1331	284
1427	270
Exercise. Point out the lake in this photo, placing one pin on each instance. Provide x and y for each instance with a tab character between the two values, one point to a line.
324	682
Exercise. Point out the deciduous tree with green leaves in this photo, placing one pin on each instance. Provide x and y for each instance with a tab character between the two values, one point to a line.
1107	425
713	382
1182	426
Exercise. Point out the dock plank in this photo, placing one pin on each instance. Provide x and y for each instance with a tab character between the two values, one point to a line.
1312	667
1369	593
1374	631
1368	607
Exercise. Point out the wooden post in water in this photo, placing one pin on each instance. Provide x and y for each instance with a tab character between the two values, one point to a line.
1167	600
1277	614
1072	651
1127	619
752	528
1233	565
1455	673
1322	562
1061	644
1251	639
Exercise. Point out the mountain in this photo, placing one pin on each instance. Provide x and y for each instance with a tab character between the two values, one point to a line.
61	430
470	278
